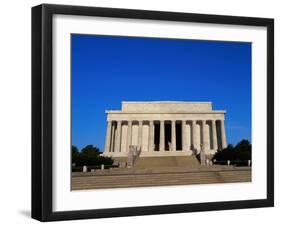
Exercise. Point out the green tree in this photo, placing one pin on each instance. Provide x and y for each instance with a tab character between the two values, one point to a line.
237	155
91	150
75	154
89	156
230	147
105	160
243	145
244	150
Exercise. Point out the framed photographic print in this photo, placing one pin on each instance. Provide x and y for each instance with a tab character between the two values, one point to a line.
145	112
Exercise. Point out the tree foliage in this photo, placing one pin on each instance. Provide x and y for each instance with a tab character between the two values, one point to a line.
89	156
75	153
239	154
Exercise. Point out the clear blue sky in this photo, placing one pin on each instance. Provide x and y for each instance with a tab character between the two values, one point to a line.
108	69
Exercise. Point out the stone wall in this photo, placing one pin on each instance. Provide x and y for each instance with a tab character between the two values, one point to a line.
166	106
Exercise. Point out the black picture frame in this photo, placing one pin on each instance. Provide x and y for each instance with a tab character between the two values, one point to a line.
42	111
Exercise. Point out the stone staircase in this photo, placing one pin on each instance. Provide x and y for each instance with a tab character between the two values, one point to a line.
242	174
166	162
160	171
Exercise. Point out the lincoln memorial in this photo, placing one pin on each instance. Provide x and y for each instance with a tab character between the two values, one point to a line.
165	128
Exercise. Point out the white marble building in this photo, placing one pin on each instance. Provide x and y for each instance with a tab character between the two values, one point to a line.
165	128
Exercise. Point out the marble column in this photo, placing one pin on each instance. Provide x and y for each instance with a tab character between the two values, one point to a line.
140	135
214	132
194	135
162	136
112	138
151	136
118	137
204	137
108	136
129	136
173	135
184	135
223	137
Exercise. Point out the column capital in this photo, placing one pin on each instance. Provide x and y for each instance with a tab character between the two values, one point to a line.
151	122
130	122
140	122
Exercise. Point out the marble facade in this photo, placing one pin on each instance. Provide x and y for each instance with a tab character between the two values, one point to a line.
165	128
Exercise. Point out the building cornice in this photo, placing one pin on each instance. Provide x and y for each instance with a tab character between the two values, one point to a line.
180	112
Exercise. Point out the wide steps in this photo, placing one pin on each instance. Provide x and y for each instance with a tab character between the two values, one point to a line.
171	169
160	179
169	161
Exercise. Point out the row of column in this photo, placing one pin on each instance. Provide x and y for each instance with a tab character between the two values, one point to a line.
117	136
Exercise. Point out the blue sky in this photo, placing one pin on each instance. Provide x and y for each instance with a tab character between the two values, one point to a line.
109	69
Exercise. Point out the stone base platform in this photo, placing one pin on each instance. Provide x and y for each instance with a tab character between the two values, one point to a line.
158	153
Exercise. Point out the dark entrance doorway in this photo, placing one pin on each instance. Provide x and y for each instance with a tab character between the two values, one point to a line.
178	136
156	136
168	136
